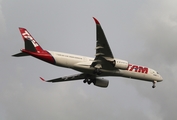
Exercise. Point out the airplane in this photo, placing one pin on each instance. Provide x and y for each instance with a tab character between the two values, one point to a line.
92	69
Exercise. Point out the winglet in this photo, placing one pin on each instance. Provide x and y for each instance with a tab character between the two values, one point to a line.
42	79
96	21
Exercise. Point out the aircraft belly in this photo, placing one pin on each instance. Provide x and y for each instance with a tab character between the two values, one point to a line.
136	75
83	68
90	70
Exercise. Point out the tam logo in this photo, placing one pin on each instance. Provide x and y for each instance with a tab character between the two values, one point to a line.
137	68
29	37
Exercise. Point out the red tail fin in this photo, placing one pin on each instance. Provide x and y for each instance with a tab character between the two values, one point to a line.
30	42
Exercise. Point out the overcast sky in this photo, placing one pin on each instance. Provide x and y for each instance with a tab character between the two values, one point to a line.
142	32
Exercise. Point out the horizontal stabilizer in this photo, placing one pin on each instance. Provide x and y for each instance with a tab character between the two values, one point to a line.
21	54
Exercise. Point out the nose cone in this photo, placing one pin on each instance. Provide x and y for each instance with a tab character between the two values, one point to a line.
160	78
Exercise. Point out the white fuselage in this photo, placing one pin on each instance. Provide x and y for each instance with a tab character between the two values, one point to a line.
82	64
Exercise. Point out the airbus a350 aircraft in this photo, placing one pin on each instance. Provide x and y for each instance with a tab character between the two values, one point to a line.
104	63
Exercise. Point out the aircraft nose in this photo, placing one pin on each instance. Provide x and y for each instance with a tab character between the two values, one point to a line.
160	78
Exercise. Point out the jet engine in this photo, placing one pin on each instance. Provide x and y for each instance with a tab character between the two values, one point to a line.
120	64
101	82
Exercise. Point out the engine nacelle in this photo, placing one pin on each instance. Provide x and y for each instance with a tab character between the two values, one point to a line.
120	64
101	82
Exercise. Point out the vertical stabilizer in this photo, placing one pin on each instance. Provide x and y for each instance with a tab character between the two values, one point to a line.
30	42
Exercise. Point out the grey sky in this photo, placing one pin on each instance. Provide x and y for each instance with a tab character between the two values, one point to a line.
142	32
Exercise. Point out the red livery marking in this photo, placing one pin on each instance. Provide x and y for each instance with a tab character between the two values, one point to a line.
139	69
27	35
42	79
44	55
96	21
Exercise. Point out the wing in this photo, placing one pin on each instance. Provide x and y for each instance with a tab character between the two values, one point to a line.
96	81
104	54
67	78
